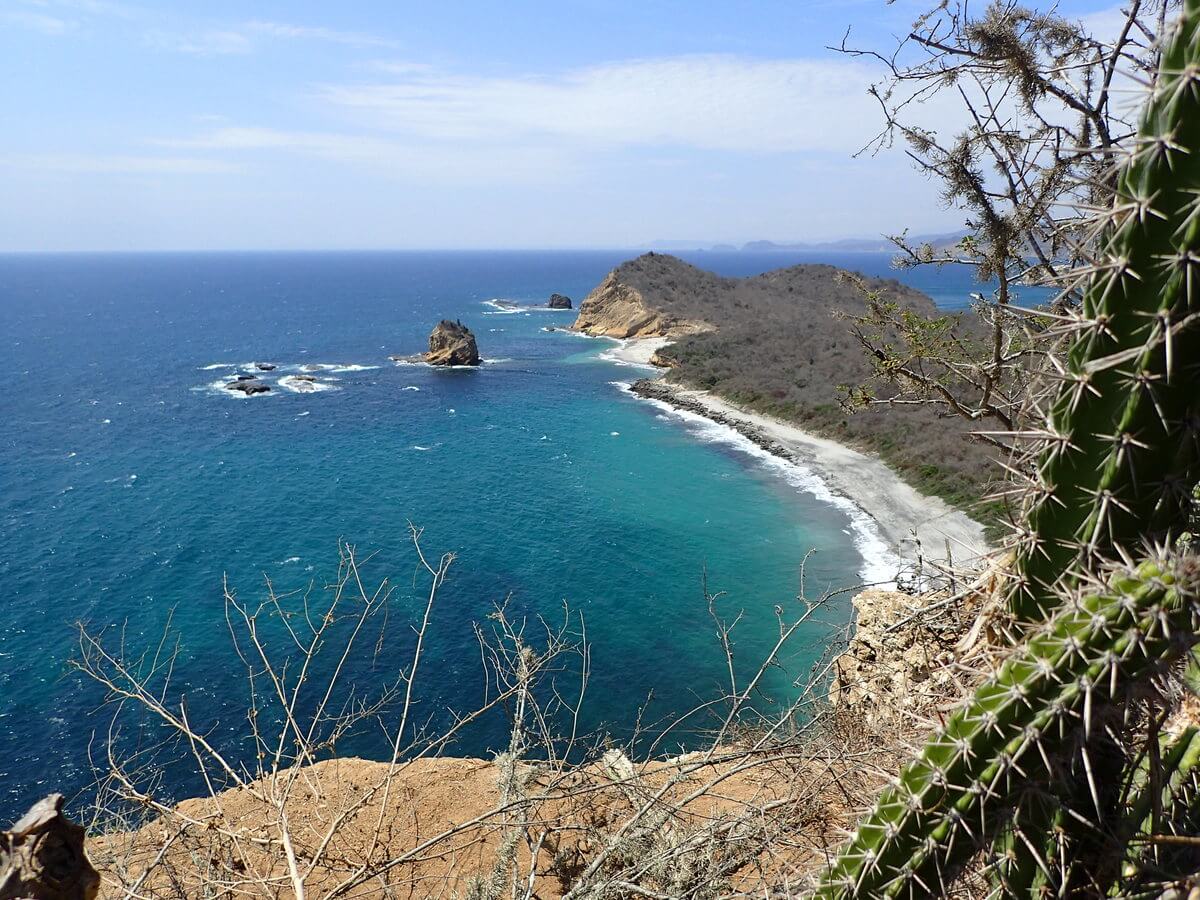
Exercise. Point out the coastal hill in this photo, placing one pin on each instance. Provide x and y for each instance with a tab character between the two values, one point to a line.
775	343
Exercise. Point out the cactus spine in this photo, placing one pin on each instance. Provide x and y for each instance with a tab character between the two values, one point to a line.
1123	448
1040	706
1021	772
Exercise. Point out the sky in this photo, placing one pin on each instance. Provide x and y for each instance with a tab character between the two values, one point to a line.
394	124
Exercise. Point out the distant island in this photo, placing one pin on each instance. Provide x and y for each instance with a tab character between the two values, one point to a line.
774	344
846	245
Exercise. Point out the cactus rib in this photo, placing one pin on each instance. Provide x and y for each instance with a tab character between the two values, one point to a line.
1124	451
955	798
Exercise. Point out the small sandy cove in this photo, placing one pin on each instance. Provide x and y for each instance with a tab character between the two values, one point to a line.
900	511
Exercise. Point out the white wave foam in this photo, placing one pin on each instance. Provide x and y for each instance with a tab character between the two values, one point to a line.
486	362
301	415
879	564
334	368
289	561
410	387
421	362
504	307
214	366
350	367
419	447
299	385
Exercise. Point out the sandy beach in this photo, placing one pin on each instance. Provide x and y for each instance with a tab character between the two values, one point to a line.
902	514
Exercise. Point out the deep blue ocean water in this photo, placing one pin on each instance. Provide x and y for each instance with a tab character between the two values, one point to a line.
130	487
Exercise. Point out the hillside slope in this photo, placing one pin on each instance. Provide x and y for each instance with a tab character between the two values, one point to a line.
775	343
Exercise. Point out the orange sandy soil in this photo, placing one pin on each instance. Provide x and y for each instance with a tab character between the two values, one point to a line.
772	821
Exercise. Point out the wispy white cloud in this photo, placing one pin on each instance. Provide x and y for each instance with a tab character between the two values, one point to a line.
204	43
103	7
287	31
460	164
422	123
711	102
248	36
121	165
40	22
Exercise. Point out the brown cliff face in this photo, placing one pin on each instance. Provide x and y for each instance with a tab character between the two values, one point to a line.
452	344
619	310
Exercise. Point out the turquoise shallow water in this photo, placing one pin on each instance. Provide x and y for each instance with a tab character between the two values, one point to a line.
130	487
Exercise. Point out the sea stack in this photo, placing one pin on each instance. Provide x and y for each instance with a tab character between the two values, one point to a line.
559	301
452	344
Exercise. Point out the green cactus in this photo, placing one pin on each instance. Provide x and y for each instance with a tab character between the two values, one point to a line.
1033	774
1162	801
997	764
1122	440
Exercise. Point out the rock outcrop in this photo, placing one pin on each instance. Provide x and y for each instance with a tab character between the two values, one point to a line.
901	663
618	309
559	301
452	344
248	385
42	856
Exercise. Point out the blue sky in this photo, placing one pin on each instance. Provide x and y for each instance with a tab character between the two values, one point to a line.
405	124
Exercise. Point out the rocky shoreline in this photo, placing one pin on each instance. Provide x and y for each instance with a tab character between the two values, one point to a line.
657	389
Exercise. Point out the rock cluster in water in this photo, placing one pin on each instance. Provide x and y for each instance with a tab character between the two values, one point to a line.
452	344
559	301
248	385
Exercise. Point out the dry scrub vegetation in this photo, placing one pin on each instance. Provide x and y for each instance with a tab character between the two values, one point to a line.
557	814
784	344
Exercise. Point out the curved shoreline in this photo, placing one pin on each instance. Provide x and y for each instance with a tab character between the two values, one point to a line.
902	515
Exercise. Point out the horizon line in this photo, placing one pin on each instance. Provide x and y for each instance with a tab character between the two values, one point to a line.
723	247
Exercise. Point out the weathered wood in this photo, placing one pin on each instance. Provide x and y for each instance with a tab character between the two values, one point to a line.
42	858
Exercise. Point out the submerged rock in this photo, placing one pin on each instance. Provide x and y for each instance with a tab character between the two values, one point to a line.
248	386
265	367
452	344
559	301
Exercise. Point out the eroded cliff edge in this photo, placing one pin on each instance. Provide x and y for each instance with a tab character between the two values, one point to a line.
618	309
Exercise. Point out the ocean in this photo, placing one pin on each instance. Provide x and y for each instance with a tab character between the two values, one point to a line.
132	486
